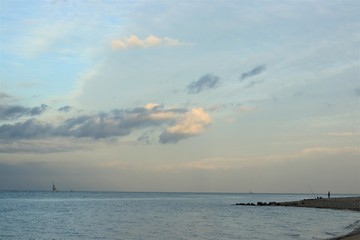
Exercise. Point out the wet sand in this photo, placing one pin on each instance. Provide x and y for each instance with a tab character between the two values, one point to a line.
349	203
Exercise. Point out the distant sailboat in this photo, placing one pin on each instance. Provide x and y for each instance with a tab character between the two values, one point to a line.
54	188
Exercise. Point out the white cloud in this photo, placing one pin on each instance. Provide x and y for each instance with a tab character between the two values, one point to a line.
150	106
172	42
331	151
134	41
345	134
153	41
190	124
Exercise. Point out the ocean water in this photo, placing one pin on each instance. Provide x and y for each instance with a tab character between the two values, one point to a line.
128	215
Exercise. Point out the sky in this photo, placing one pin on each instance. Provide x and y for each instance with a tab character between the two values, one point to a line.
190	96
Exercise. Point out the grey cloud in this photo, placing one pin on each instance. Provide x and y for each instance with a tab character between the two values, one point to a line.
167	137
65	109
146	138
253	83
4	95
208	81
253	72
41	146
21	136
117	123
37	110
16	111
26	130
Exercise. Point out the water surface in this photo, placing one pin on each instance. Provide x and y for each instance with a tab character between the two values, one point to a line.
122	215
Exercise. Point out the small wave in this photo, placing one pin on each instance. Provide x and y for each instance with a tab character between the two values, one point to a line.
293	235
353	225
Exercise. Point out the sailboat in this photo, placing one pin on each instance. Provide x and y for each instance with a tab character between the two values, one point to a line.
54	188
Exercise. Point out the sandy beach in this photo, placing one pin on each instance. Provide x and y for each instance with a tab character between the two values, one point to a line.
348	203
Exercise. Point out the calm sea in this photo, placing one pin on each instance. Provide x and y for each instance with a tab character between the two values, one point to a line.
122	215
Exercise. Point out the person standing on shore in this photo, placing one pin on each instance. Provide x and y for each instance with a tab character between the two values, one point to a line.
328	194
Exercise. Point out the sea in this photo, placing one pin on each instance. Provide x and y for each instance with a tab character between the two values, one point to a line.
32	215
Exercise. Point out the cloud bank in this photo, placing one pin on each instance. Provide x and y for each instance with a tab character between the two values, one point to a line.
253	72
208	81
134	41
177	124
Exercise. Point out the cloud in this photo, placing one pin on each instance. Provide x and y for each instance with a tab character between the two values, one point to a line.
146	138
4	95
172	42
245	161
208	81
253	72
29	129
253	83
331	151
179	123
42	146
190	124
16	111
64	109
345	134
134	41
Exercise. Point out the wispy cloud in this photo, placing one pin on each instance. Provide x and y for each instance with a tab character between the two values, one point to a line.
331	151
41	146
134	41
16	111
238	162
253	72
253	83
345	134
208	81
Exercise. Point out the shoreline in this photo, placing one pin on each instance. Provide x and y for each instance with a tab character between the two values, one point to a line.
347	203
354	235
343	203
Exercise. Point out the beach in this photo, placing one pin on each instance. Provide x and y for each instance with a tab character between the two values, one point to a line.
347	203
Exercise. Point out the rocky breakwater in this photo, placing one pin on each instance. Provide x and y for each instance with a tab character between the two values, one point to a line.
259	204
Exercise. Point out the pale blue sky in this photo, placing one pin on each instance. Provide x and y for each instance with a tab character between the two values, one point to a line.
180	96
